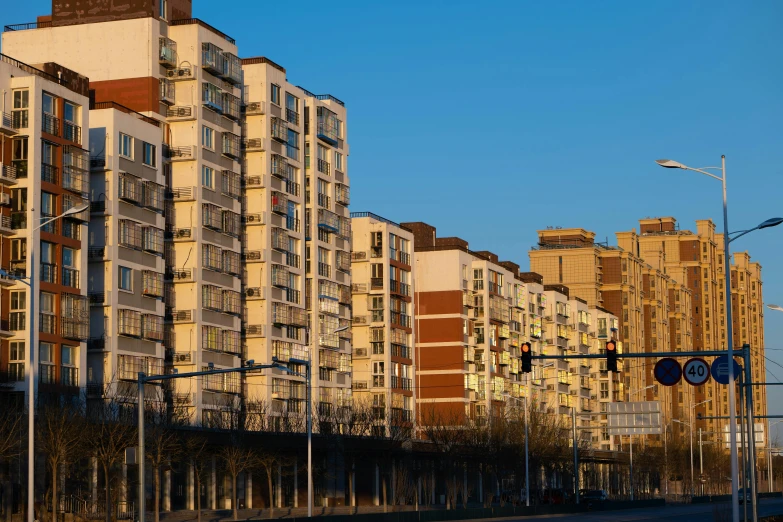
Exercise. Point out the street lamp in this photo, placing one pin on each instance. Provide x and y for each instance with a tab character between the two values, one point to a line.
775	307
309	383
630	437
143	379
671	164
31	372
769	454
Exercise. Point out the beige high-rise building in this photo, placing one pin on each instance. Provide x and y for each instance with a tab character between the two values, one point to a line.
384	323
44	171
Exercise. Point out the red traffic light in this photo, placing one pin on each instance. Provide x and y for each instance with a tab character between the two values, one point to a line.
525	347
611	346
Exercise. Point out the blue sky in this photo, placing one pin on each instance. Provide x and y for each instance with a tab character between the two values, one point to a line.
492	121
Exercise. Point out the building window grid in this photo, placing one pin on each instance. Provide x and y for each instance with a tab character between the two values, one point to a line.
129	322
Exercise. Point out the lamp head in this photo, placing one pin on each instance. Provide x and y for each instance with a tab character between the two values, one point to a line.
251	362
775	307
75	210
772	222
342	328
669	164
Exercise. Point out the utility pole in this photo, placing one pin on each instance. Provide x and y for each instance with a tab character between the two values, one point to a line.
701	465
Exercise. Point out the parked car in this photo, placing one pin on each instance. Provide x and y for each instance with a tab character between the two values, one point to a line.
598	496
554	496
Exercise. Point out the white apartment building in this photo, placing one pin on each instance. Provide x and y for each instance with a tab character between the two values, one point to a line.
383	320
126	245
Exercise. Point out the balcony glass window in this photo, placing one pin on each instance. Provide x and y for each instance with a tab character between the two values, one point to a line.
150	157
126	146
19	152
152	283
49	104
17	355
152	195
208	177
152	326
128	187
162	4
338	161
292	145
211	257
125	279
231	262
21	104
212	96
275	94
130	234
48	319
153	240
232	223
18	310
208	137
231	184
128	322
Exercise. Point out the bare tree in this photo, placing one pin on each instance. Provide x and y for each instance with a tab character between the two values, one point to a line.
163	415
195	447
446	429
112	425
12	433
59	431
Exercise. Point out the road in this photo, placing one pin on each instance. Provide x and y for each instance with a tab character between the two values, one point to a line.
671	513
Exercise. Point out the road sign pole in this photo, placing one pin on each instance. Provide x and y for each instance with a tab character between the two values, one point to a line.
751	430
743	467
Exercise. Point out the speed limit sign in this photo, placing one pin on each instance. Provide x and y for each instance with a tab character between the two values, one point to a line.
696	371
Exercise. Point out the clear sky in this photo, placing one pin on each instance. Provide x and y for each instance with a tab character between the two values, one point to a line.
491	120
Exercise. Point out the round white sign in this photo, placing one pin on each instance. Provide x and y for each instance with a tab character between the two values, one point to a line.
696	371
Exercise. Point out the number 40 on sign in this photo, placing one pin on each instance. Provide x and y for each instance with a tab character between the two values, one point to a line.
696	371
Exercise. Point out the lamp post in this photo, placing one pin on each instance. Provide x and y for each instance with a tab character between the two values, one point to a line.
690	428
31	372
309	384
769	453
143	379
671	164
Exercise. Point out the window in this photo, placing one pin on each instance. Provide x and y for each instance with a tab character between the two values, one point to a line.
47	252
68	356
153	240
212	96
338	161
208	177
152	283
19	153
150	155
126	146
21	104
18	310
18	249
208	137
153	327
211	257
49	104
16	360
162	9
69	257
125	281
292	145
130	234
291	108
152	195
71	113
48	319
129	322
46	353
275	94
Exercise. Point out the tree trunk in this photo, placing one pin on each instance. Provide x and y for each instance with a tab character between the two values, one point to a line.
54	491
106	482
156	485
383	487
234	494
271	493
198	498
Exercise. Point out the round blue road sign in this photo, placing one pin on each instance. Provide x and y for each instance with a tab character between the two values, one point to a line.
668	371
720	369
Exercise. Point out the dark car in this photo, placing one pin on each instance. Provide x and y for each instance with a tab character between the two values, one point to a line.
744	493
598	496
554	496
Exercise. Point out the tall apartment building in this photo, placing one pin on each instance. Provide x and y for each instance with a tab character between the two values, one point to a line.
472	314
384	323
619	280
126	238
44	162
696	259
239	282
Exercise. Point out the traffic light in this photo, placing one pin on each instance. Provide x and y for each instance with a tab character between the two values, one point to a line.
527	358
611	356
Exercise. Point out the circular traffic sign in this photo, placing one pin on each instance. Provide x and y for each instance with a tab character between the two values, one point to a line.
696	371
720	369
668	371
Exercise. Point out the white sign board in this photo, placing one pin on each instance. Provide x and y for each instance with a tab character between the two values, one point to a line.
634	418
758	429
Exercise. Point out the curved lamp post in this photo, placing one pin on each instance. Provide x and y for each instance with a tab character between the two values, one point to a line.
671	164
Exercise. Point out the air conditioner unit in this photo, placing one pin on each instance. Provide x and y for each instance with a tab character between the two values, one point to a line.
183	72
5	199
183	357
253	329
251	292
182	275
183	232
182	112
172	73
550	386
252	218
593	397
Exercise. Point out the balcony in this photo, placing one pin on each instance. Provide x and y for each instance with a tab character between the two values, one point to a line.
180	153
50	124
324	270
47	323
181	113
183	316
279	130
7	126
400	319
8	175
6	226
280	276
342	194
75	329
343	261
279	203
401	383
72	132
328	220
48	273
253	256
324	167
253	145
232	146
254	108
253	182
70	277
50	173
166	91
167	55
376	283
400	288
183	193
